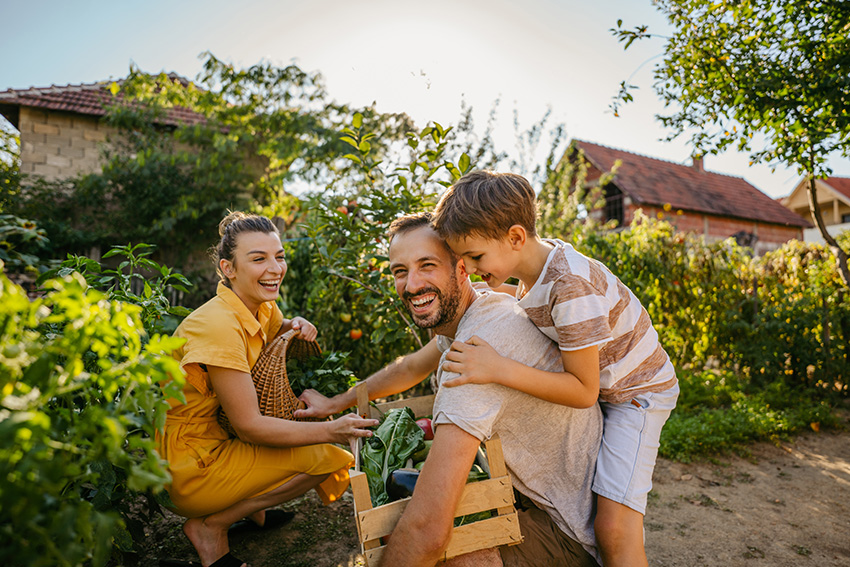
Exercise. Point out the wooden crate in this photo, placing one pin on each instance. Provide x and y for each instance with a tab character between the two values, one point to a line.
496	493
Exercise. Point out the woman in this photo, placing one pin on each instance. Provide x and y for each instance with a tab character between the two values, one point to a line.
216	479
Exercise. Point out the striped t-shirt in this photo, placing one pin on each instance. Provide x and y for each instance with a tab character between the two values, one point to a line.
577	302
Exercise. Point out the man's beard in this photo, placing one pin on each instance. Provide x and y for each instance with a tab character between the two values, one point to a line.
448	301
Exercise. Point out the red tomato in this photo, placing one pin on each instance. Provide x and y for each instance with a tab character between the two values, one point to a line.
355	334
427	427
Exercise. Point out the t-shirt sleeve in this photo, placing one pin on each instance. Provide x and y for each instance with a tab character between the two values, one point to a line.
472	407
579	313
215	342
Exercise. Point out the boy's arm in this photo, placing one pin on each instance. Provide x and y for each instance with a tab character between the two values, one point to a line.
400	375
477	362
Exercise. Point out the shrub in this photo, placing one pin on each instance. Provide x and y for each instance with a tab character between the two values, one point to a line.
80	401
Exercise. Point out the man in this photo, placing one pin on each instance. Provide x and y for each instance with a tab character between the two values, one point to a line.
550	450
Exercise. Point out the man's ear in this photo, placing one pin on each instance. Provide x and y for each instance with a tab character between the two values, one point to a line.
517	236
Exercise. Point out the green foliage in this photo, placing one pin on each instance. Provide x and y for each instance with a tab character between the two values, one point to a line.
715	416
327	374
395	440
22	243
80	400
136	272
345	260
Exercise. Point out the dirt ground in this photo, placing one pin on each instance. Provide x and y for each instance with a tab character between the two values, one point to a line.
783	505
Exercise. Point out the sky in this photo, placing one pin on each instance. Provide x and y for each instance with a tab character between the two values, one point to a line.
423	58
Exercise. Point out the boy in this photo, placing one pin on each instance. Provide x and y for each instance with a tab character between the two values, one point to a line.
609	347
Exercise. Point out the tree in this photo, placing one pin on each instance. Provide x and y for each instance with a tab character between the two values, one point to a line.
769	77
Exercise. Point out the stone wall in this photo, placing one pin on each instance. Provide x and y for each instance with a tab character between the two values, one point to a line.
57	145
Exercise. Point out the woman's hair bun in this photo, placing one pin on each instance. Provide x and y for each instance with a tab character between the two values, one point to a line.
230	218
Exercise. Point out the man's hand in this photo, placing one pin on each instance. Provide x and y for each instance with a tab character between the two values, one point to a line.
475	361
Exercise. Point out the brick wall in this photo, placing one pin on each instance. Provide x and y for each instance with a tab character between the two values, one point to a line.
714	227
57	145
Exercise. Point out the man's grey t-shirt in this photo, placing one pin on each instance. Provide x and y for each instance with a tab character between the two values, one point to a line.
550	450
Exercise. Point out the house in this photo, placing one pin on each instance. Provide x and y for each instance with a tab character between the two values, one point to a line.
691	198
61	127
834	200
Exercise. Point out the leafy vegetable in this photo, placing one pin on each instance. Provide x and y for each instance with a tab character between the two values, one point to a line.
395	440
326	374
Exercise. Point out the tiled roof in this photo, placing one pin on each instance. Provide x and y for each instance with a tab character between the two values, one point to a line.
840	184
650	181
90	99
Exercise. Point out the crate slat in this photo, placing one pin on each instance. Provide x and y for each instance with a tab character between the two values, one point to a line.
499	530
496	493
479	496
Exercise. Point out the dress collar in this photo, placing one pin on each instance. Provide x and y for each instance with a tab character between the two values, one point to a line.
246	318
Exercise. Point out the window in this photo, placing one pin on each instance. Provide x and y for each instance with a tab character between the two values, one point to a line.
613	204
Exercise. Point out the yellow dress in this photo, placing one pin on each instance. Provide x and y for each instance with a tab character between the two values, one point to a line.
210	470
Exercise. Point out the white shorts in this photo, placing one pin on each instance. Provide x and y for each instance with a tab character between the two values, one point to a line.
630	439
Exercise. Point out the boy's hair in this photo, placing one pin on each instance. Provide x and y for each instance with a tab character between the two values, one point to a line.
413	221
487	204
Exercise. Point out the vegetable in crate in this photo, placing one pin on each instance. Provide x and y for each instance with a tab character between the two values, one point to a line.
326	374
394	441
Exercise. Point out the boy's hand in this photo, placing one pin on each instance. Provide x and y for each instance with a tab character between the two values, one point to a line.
475	361
308	330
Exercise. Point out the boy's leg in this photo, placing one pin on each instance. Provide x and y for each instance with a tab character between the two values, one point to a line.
630	440
619	534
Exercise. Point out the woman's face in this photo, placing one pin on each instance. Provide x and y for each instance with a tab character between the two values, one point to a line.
257	268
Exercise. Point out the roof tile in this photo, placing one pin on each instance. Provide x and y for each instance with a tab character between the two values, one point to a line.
89	98
840	184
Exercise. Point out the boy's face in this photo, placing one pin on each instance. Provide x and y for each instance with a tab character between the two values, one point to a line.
493	260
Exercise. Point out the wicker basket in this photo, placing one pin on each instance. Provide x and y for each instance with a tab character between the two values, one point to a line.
274	394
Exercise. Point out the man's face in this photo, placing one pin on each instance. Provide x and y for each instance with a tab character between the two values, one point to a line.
425	277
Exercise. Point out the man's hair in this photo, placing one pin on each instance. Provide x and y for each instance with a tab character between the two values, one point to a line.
411	222
487	204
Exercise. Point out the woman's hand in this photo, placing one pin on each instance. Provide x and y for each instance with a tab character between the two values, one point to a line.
349	427
308	330
475	361
317	405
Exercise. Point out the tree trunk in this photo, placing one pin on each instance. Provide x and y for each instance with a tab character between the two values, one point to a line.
840	255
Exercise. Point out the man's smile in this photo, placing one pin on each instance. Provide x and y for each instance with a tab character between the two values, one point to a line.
420	303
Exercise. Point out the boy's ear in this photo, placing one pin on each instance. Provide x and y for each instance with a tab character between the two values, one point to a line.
517	236
461	266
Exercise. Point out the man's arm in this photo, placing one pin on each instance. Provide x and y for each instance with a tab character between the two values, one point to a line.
398	376
423	532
